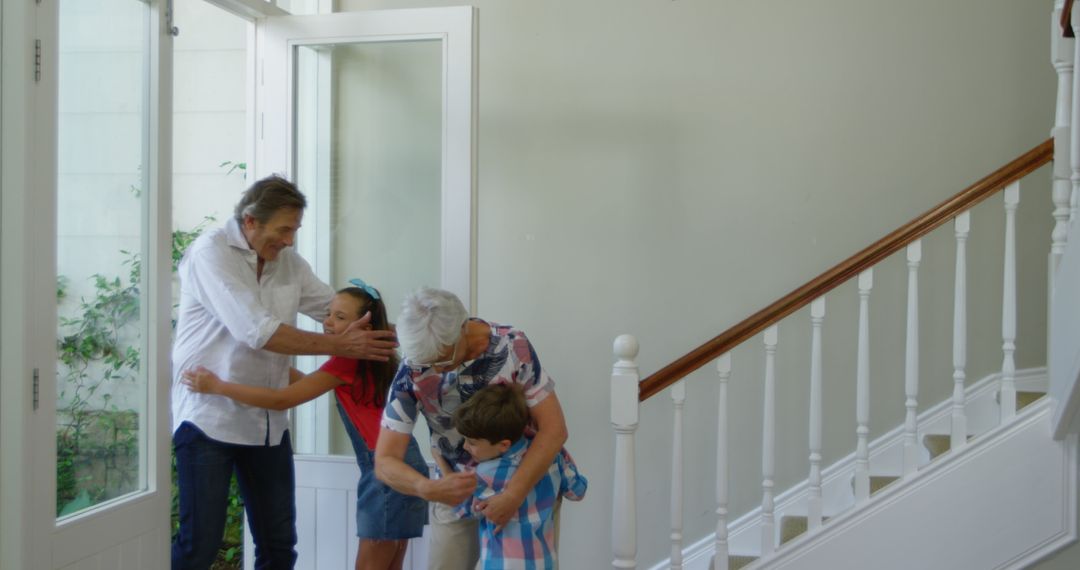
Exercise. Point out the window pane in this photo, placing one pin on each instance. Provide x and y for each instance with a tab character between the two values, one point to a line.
374	146
369	140
101	215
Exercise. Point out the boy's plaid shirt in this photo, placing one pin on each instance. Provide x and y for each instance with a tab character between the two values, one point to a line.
526	542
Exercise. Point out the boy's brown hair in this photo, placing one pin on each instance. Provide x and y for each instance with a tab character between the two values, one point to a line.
495	413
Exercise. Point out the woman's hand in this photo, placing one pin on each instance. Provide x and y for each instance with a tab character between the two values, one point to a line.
452	489
201	380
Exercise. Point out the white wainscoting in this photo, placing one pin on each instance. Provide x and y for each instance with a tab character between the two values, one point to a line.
326	517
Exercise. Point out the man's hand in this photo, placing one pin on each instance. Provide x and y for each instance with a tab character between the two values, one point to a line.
452	489
361	343
499	508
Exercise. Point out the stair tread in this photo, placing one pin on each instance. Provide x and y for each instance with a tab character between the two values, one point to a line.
939	443
1025	399
791	526
735	562
879	482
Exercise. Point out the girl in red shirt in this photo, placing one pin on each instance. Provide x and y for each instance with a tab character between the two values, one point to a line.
385	519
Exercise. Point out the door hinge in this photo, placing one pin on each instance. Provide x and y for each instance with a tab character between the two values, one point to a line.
35	391
170	19
37	61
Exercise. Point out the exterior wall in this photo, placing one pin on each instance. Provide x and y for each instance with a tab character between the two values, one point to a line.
209	113
668	168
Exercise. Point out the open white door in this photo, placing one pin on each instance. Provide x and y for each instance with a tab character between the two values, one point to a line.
86	287
372	114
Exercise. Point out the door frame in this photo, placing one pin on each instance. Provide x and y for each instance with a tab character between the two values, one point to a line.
31	535
17	104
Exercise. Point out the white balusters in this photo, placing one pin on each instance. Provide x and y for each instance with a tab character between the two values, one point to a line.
813	502
1074	124
720	559
1008	306
678	398
768	445
862	391
911	360
958	438
624	418
1061	54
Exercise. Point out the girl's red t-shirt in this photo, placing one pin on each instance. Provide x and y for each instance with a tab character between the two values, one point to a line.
356	396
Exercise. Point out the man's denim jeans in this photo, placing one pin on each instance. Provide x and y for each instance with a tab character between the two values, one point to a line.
265	477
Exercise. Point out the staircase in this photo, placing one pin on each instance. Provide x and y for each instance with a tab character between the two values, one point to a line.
975	481
1018	461
986	478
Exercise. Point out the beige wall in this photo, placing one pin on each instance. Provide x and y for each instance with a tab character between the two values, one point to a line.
665	168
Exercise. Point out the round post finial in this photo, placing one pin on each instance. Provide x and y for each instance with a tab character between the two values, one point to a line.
626	347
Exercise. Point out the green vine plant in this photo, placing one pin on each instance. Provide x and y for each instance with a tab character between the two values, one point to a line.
95	356
98	352
234	167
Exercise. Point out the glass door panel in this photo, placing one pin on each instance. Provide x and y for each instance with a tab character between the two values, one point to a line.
102	151
369	142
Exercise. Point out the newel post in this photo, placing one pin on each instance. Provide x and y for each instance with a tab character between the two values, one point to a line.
624	418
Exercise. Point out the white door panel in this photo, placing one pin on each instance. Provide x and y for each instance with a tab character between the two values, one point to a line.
95	211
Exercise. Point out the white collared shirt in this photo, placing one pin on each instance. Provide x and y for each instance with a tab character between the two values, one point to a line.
226	316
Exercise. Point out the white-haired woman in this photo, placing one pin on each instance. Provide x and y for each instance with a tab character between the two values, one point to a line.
448	357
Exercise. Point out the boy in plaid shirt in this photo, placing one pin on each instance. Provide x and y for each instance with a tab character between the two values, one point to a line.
493	423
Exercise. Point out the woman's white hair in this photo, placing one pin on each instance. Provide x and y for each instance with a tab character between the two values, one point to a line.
430	321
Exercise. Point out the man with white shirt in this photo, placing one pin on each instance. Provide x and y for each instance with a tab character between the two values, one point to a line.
241	287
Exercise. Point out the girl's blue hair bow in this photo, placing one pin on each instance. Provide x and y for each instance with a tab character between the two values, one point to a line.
367	288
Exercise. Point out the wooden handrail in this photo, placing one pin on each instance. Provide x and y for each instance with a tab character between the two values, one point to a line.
1066	20
850	267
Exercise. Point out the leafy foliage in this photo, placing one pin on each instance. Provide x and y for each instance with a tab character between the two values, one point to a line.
96	441
99	351
234	167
